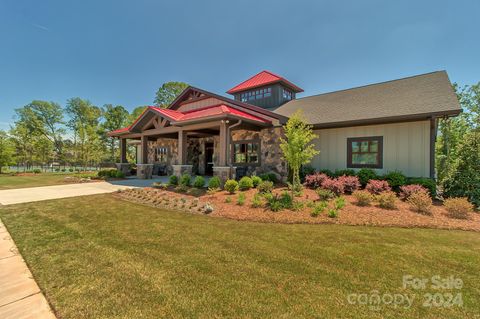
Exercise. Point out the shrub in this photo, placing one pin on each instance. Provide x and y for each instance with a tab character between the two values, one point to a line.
458	207
297	189
408	190
327	172
350	183
265	187
333	184
346	172
276	202
420	202
245	183
119	174
214	182
185	180
387	199
325	194
314	181
231	186
241	199
63	170
332	213
182	188
199	182
426	182
297	205
365	175
173	180
272	177
70	169
228	199
256	201
159	185
212	190
256	180
395	179
108	172
364	198
286	200
37	171
340	202
318	209
305	171
377	186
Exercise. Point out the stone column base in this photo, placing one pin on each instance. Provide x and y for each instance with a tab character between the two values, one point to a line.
124	168
179	170
224	172
144	171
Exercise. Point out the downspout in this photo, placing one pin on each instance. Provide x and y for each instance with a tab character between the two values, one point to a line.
228	142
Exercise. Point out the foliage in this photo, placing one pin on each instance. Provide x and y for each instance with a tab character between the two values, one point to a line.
325	194
199	182
346	172
364	198
257	201
228	199
297	148
464	181
318	209
245	183
365	175
37	171
256	180
115	117
377	186
327	172
265	187
296	190
387	199
107	173
408	190
215	182
395	179
7	150
272	177
332	213
169	92
212	190
185	180
339	202
297	205
420	202
350	183
425	182
306	170
241	199
315	180
458	207
182	188
278	202
334	185
231	186
173	180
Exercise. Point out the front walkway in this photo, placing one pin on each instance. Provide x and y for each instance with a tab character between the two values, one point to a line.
20	297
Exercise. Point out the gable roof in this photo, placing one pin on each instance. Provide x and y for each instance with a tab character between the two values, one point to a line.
261	79
416	97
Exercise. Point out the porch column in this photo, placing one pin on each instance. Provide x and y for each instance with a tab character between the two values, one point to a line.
144	149
182	147
222	160
123	150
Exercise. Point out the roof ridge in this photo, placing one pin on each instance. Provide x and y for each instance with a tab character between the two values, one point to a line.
371	84
239	84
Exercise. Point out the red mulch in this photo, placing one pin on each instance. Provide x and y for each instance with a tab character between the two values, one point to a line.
351	214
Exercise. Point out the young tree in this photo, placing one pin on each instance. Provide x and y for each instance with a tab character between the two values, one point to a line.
297	147
168	92
115	117
7	150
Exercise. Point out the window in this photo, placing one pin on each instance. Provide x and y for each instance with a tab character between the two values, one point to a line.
256	94
161	154
365	152
246	152
287	95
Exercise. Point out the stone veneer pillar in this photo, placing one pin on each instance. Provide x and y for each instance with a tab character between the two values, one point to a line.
179	170
124	168
224	172
144	171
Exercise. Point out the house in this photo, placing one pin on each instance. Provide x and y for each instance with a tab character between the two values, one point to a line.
385	126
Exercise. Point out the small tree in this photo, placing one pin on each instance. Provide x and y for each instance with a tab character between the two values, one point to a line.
297	147
7	150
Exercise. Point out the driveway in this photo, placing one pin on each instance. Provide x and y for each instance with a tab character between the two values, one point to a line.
35	194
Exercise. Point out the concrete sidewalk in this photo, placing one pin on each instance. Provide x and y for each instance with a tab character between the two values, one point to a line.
20	296
34	194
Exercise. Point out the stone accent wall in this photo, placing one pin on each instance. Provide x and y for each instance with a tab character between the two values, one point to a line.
172	156
271	154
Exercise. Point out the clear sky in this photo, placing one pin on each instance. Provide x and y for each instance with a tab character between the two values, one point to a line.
121	51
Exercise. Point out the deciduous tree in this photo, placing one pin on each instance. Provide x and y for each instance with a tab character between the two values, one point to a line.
168	92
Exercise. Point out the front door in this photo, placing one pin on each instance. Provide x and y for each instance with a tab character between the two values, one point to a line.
208	158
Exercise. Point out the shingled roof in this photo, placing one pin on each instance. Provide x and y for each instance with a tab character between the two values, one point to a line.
416	97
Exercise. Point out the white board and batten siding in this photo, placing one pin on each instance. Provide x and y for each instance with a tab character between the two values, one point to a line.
406	147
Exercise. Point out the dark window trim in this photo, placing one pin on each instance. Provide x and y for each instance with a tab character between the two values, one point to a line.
252	141
167	154
368	138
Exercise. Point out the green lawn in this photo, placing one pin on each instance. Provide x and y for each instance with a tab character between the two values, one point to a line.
43	179
99	257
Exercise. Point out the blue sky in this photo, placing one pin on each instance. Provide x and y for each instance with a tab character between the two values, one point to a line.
120	51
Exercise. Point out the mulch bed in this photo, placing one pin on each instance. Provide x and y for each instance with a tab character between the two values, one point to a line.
351	214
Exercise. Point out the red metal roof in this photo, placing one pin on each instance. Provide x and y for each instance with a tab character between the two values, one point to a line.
202	113
260	79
